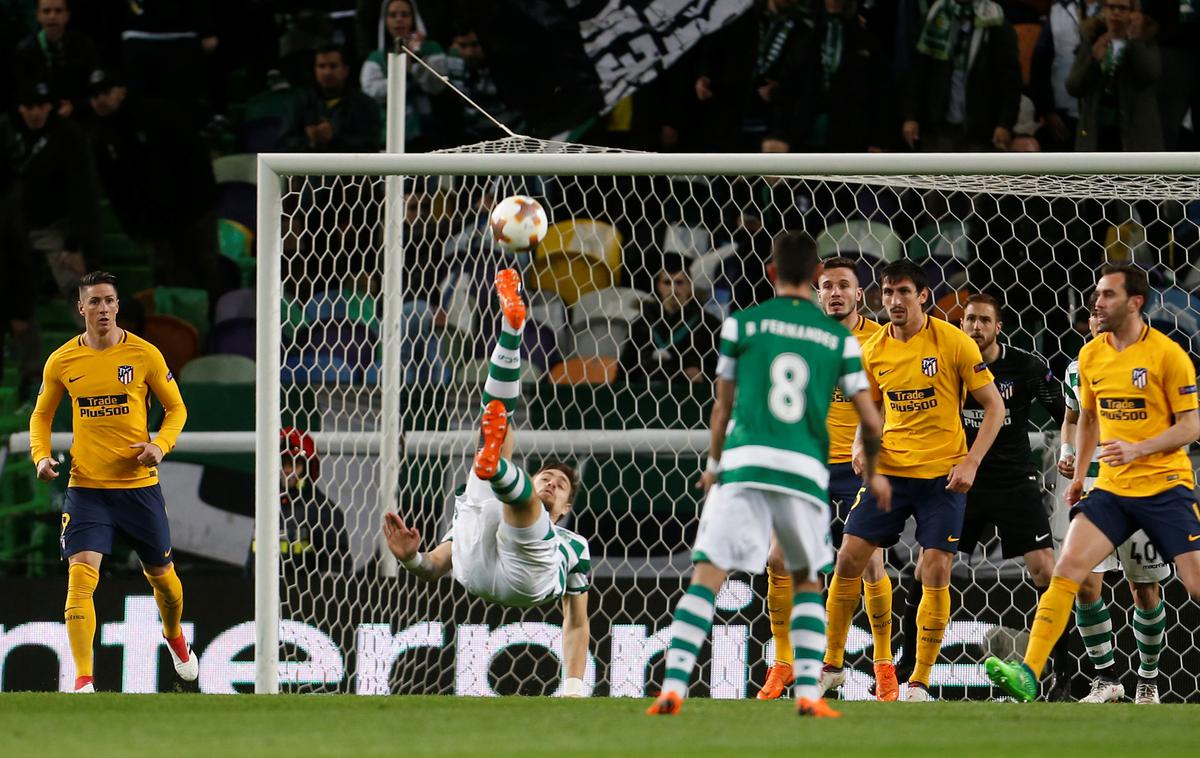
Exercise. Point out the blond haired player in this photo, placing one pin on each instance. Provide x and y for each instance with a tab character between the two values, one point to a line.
114	491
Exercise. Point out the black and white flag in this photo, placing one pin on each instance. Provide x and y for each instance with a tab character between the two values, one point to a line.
561	62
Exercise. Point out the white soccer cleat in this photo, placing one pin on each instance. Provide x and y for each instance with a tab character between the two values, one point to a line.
1146	693
1105	691
189	670
91	688
918	693
831	678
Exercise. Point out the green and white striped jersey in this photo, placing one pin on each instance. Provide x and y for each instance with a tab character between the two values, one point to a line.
576	568
785	357
1072	400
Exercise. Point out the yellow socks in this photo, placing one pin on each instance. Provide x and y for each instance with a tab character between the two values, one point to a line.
168	593
779	607
932	616
878	599
80	615
1053	611
840	608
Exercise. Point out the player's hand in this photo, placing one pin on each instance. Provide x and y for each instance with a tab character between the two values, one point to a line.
151	454
962	476
911	131
858	460
1119	452
402	540
1001	138
706	481
1100	46
46	469
881	490
704	88
1066	466
1074	492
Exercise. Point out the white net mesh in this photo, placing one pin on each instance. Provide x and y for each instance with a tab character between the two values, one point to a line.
629	409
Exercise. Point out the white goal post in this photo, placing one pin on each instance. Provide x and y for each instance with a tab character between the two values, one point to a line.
1117	177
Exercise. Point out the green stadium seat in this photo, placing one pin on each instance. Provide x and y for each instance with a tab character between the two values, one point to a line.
118	248
239	167
133	278
237	244
219	369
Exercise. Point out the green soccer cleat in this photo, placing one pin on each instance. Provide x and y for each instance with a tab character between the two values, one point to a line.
1014	678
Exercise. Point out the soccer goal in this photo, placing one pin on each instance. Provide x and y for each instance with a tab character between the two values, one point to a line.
374	320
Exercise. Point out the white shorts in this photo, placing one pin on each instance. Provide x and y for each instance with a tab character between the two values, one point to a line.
737	522
1139	559
517	567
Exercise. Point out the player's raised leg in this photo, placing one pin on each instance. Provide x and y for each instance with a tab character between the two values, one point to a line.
1086	545
504	368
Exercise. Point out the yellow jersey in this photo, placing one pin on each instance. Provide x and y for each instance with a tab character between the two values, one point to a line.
921	384
110	398
842	422
1135	394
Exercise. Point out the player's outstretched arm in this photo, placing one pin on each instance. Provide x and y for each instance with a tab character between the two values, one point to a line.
405	541
962	476
576	638
718	422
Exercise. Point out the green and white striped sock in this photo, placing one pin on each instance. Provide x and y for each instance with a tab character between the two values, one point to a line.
693	619
510	483
504	369
1095	626
808	643
1149	628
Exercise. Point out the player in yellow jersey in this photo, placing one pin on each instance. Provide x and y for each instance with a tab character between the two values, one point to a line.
114	477
1137	397
919	369
839	294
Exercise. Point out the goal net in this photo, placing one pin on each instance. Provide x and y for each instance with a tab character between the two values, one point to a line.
376	318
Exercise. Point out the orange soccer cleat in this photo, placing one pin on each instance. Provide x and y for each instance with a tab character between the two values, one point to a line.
508	289
887	687
494	428
667	704
816	708
778	678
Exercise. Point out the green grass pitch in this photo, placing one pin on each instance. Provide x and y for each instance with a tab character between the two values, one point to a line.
91	726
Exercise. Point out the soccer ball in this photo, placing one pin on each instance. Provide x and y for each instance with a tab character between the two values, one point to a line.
518	223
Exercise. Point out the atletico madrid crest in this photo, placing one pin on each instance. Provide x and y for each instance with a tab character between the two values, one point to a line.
125	374
1139	378
929	366
1006	388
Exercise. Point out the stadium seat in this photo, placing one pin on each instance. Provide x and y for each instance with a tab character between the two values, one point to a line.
605	305
178	340
187	303
547	309
337	352
585	371
705	268
858	238
238	202
109	223
689	241
239	167
235	304
233	337
943	239
237	244
117	248
133	278
219	369
576	257
600	340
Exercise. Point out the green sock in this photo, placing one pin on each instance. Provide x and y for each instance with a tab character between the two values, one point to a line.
1149	628
1095	626
808	643
504	369
510	483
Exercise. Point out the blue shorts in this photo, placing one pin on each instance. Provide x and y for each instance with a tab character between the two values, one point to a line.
1170	519
939	513
844	485
91	517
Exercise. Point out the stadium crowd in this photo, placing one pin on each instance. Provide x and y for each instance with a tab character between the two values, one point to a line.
128	132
